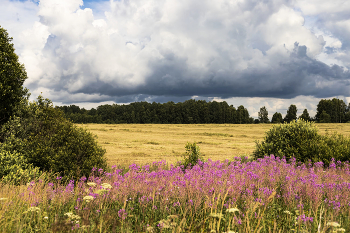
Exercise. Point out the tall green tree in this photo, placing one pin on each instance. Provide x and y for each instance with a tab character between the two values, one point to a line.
277	118
325	117
305	116
263	115
12	77
291	113
335	108
243	116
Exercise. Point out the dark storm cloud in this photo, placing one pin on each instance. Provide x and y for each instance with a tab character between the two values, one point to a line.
297	75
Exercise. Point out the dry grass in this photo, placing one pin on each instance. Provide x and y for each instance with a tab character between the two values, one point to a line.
138	143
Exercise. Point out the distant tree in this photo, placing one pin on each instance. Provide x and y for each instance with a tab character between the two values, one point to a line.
291	113
335	108
347	114
263	115
305	116
277	118
12	77
325	117
243	116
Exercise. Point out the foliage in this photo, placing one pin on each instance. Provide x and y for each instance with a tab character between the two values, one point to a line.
263	115
192	155
300	139
291	114
15	168
324	117
332	111
12	77
42	135
305	116
188	112
277	118
267	195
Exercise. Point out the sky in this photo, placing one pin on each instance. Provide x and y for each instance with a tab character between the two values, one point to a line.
255	53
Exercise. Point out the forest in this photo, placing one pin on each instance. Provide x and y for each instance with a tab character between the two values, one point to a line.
200	112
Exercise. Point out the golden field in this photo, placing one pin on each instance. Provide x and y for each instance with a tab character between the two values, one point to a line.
146	143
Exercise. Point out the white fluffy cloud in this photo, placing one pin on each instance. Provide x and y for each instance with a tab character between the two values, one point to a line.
154	49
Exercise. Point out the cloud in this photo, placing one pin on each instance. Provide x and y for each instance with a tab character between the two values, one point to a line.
162	50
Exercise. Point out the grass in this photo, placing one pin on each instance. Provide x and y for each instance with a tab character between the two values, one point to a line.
235	195
268	195
129	143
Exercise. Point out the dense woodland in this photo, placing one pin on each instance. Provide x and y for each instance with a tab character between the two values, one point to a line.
200	112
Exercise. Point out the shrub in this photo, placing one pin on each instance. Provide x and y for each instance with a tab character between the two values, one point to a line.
42	135
192	155
300	139
15	168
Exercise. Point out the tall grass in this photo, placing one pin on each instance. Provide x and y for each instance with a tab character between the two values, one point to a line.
267	195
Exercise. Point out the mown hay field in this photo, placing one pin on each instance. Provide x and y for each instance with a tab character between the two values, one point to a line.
145	143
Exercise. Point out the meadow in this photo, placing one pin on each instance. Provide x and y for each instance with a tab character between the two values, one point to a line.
234	194
145	143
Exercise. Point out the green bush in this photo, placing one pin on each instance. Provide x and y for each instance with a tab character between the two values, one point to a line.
192	155
15	168
46	139
301	140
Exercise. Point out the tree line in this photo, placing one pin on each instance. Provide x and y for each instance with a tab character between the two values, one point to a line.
200	112
188	112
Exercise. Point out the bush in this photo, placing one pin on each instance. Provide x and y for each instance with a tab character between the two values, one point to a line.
15	168
45	139
192	155
301	140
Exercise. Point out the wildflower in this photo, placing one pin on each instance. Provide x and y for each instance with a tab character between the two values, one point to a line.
149	229
88	198
122	214
232	210
3	199
106	186
32	183
72	216
333	224
33	209
287	212
341	230
46	217
91	184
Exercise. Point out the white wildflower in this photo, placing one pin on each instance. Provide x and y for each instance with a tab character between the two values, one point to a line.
106	186
91	184
287	212
232	210
88	198
333	224
72	216
33	209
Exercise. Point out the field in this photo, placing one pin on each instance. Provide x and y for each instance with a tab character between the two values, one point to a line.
240	196
145	143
